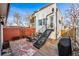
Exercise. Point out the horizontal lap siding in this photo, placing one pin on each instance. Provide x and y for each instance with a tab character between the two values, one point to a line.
9	33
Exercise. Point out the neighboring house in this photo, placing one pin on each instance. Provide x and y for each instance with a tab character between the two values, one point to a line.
48	17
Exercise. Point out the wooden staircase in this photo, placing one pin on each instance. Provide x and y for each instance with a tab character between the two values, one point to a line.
42	39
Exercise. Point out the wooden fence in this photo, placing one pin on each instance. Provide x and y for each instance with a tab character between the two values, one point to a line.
10	32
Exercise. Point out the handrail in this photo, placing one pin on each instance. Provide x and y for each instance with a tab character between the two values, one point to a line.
44	27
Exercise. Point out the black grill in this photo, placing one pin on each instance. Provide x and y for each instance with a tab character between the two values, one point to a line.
64	47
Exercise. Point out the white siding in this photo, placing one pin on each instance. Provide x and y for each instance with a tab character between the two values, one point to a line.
58	24
42	14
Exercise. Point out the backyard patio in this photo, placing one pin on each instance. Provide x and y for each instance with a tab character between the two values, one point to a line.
48	49
24	47
42	33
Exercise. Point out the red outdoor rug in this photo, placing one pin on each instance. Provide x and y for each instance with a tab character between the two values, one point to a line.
22	47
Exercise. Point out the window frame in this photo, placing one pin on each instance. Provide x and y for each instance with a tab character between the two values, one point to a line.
40	22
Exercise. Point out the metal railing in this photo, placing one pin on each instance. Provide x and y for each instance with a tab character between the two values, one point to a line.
42	29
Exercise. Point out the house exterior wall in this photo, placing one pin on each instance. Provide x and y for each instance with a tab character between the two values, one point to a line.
53	34
42	14
59	23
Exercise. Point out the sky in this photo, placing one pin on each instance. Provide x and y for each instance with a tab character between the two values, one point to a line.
63	7
23	9
28	8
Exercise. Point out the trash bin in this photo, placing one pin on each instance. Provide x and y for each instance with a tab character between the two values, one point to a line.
64	47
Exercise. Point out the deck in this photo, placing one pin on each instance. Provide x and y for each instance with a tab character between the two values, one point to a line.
49	49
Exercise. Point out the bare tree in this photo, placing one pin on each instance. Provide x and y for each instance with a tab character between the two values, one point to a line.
27	19
73	14
17	18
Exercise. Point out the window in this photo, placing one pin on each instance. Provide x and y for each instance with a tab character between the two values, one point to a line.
32	20
51	21
52	10
44	21
60	22
40	22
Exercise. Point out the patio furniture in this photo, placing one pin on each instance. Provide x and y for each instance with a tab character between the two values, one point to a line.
5	45
30	38
64	47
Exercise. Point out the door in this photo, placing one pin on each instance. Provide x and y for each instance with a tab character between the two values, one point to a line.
51	21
